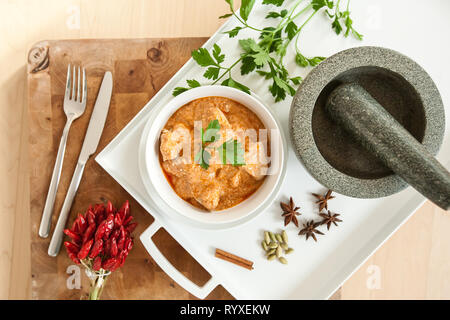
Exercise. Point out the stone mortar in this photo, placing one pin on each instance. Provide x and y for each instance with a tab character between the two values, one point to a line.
329	153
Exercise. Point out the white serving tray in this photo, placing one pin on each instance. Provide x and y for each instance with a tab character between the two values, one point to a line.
418	29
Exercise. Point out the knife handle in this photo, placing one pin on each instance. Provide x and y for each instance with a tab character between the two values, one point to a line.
58	235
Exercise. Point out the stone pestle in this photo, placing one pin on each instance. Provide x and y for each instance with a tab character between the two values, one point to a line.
373	127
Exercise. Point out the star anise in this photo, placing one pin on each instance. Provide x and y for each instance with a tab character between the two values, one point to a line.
290	212
309	229
323	200
329	218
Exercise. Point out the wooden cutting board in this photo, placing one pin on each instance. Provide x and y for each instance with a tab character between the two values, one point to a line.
140	68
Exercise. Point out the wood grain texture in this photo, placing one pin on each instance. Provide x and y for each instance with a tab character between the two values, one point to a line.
24	22
140	68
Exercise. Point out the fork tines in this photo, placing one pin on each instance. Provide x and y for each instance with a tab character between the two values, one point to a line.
71	82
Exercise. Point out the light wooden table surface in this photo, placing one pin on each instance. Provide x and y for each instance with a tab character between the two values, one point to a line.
413	264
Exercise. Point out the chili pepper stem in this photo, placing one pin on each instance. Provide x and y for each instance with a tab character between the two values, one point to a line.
97	285
97	278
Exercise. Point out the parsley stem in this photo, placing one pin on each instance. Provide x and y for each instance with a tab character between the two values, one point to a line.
295	7
297	14
242	21
297	34
228	70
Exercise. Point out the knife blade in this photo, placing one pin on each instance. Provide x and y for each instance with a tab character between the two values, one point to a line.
98	118
90	144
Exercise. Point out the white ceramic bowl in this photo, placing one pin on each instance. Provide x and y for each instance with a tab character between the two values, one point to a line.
162	194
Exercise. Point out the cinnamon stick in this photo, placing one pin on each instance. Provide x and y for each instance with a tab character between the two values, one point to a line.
234	259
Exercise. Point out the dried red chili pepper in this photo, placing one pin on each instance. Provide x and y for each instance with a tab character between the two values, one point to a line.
90	217
84	251
75	237
107	247
71	247
124	210
109	208
109	263
96	248
115	234
74	226
117	220
114	249
99	210
82	223
100	230
73	257
109	225
88	234
97	263
128	244
131	227
127	220
117	264
121	242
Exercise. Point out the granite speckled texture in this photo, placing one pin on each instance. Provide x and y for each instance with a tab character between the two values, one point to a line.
407	79
373	127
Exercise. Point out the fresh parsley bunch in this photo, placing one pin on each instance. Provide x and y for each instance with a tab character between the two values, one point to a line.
264	54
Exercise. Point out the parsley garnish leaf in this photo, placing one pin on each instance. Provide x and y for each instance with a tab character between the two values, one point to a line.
291	30
193	83
226	16
246	8
203	58
212	73
231	152
233	32
234	84
211	133
248	65
274	2
202	158
216	54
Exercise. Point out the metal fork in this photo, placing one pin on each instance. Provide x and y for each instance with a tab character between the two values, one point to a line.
74	106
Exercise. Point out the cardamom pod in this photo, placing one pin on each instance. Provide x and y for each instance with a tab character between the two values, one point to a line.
272	236
284	246
289	250
271	251
284	236
283	260
264	245
273	245
278	252
266	237
271	257
279	238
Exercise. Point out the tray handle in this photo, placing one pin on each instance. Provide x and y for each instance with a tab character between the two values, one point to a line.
177	276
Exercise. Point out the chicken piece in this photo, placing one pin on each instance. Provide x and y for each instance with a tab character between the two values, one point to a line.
256	163
182	187
172	142
205	188
177	167
208	195
236	179
210	114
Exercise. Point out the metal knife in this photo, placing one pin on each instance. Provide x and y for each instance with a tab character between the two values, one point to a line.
91	140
